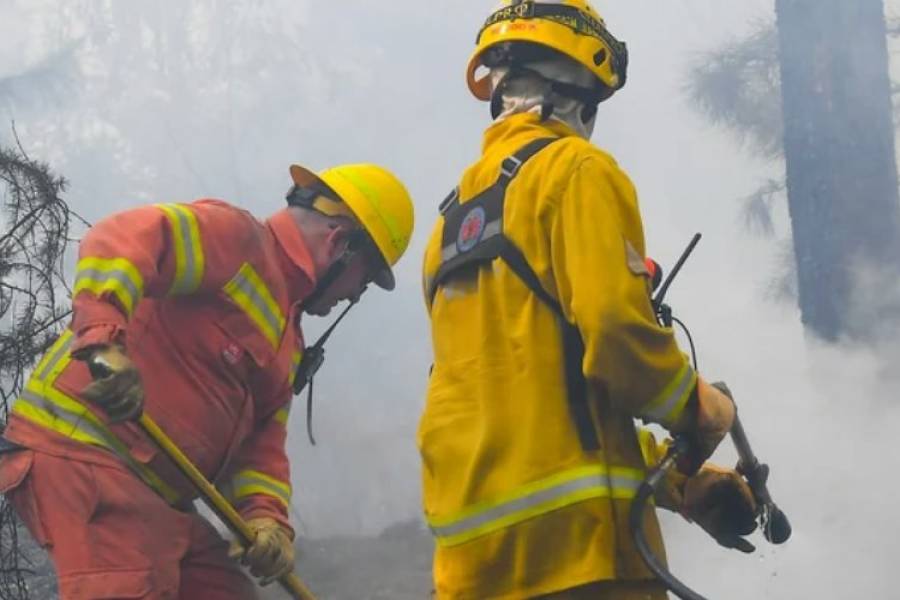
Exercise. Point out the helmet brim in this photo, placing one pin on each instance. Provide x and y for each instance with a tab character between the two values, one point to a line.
303	177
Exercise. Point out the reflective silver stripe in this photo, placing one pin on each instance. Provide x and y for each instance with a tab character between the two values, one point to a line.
190	266
662	411
244	480
520	504
242	283
58	354
77	421
623	483
189	277
31	405
536	503
102	276
493	228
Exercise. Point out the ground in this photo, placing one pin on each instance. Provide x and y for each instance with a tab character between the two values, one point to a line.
395	565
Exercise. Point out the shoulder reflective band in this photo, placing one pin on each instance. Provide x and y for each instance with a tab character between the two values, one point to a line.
189	259
116	276
249	292
249	482
666	409
535	499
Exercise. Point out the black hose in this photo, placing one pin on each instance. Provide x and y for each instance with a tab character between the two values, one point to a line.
636	524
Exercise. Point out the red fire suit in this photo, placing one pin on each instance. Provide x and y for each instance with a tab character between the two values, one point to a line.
206	300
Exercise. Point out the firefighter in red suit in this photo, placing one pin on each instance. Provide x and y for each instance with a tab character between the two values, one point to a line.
194	312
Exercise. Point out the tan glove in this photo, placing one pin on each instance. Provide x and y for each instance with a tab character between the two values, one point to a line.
706	427
271	556
117	387
721	502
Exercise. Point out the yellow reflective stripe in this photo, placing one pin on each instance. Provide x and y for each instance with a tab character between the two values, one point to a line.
283	414
535	499
45	406
48	417
249	292
295	362
55	359
189	258
666	408
250	482
116	276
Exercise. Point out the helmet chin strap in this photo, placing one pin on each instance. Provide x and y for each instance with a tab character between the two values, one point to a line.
312	361
355	241
336	269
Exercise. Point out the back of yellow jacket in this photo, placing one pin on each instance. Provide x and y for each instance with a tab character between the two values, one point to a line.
517	506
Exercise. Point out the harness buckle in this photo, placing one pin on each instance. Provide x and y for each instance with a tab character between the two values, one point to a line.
510	166
448	202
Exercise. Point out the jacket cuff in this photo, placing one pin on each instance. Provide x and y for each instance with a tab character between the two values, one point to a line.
669	406
98	335
96	323
260	505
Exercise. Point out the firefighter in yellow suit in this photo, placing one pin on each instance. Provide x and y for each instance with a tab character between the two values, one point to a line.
546	348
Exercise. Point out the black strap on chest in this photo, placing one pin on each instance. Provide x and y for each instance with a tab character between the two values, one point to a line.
473	237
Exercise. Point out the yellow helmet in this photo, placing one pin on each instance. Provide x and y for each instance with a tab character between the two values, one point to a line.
376	199
570	27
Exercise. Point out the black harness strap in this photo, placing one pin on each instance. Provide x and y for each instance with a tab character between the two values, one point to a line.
573	349
473	236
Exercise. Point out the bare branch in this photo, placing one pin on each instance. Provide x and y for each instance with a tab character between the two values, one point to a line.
34	239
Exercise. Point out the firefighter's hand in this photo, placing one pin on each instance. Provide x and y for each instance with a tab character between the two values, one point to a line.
707	427
271	555
721	502
117	387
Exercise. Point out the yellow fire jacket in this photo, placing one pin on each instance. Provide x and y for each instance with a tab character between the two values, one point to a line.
517	507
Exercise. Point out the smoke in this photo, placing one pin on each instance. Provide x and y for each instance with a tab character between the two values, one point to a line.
183	100
874	306
824	418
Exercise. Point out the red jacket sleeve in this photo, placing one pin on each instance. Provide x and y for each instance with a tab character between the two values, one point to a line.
154	251
260	480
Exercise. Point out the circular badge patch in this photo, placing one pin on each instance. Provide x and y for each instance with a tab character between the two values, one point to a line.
471	230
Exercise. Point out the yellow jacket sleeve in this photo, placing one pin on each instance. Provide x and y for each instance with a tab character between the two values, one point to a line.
597	251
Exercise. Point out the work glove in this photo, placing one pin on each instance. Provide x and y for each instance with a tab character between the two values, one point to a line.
117	387
271	555
704	428
721	502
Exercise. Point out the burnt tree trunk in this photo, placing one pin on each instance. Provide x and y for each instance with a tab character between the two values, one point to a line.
841	165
